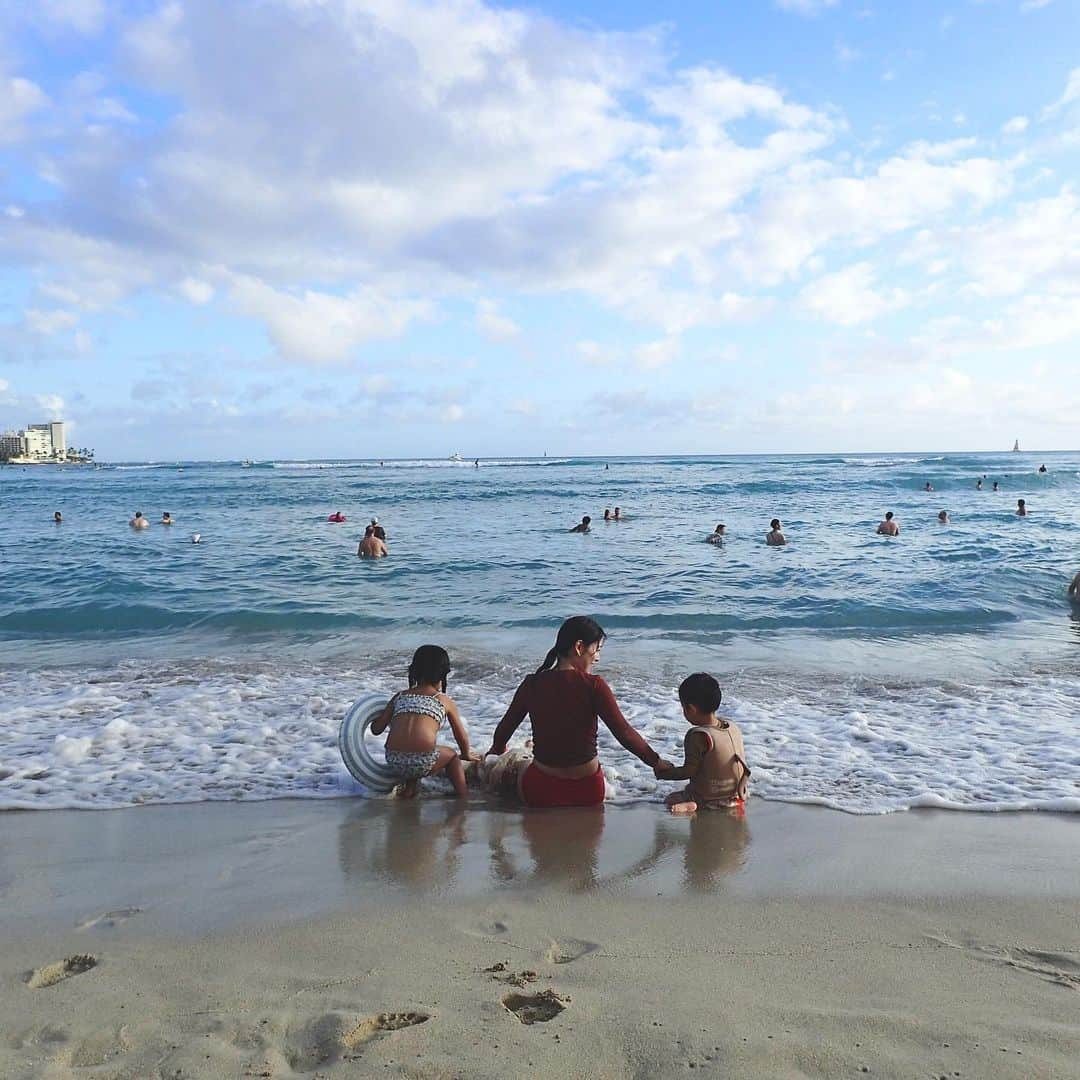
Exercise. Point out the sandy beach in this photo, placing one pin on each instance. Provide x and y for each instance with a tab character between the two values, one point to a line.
347	938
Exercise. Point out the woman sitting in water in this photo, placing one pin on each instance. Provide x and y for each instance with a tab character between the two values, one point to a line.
564	701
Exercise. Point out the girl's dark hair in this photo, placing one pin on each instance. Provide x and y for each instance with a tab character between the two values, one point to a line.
430	664
576	628
702	691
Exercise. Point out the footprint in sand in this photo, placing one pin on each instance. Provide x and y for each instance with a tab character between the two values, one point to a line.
51	974
1057	968
535	1008
109	919
567	950
374	1026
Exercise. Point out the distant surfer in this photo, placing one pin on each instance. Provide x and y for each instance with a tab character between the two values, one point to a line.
138	521
716	536
1021	508
775	538
1042	468
371	547
583	527
888	527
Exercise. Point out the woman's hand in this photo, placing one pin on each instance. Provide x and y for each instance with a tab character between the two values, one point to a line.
662	767
473	756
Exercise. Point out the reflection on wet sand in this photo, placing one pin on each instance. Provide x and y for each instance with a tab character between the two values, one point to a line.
436	845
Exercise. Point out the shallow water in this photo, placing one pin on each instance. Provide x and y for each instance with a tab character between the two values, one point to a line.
938	668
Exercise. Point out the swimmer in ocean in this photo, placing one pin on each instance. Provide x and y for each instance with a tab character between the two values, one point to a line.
371	547
617	516
583	527
978	485
929	486
943	517
58	518
1021	508
166	518
888	527
716	536
995	485
1042	468
775	538
138	521
607	513
1074	589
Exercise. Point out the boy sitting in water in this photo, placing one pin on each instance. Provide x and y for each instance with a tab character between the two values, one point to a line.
715	761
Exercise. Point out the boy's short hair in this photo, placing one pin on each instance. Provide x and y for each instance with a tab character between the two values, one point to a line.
702	691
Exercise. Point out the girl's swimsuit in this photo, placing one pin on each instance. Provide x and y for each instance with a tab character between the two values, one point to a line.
413	764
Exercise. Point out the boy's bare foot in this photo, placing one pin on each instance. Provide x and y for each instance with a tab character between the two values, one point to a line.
683	808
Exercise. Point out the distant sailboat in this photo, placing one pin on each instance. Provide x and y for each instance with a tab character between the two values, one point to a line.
1016	447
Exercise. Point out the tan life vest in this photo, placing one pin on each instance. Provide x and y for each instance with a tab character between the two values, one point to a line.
723	774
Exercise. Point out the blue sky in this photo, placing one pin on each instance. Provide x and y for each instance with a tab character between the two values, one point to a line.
355	228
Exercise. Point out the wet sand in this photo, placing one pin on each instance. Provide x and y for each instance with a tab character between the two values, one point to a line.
348	938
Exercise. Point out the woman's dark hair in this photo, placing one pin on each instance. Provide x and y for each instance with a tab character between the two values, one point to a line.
430	664
577	628
702	691
775	523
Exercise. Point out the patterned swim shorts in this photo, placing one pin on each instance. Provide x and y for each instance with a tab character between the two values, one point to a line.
409	765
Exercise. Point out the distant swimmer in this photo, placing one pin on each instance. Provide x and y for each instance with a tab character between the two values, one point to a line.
943	517
607	513
978	485
995	485
138	521
617	515
58	517
337	517
371	547
888	527
775	538
1021	508
1074	588
196	538
929	486
716	536
586	521
166	518
1042	468
476	464
378	530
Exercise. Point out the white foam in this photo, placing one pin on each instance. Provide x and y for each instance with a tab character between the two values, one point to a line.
156	732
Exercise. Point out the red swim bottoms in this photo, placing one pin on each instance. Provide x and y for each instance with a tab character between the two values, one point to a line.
542	789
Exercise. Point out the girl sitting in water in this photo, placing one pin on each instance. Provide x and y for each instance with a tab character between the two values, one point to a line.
415	716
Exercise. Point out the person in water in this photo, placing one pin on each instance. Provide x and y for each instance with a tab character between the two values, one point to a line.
138	521
775	538
584	526
1021	508
1074	589
888	527
716	536
943	517
714	758
337	517
1042	468
371	547
995	485
617	516
607	513
564	701
57	517
377	529
978	485
415	716
929	486
166	518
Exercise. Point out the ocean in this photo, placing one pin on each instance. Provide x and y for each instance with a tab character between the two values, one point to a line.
940	668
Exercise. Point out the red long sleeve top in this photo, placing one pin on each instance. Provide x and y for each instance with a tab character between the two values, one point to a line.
564	707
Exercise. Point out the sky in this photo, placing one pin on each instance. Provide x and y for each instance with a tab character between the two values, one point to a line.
396	228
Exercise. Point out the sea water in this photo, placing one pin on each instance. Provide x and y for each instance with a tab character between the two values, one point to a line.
938	668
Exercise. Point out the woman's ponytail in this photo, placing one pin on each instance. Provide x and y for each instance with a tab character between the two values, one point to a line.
577	628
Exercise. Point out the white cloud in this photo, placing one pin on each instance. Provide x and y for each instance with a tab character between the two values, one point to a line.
1016	126
493	324
1070	94
81	16
656	354
850	296
19	98
592	352
322	328
805	7
196	291
51	404
453	413
50	322
1034	5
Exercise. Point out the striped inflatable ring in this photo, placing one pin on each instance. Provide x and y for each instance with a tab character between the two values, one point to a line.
372	773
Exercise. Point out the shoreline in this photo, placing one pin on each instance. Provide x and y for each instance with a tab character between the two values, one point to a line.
285	939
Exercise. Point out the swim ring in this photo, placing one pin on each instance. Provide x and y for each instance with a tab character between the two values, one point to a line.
372	773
